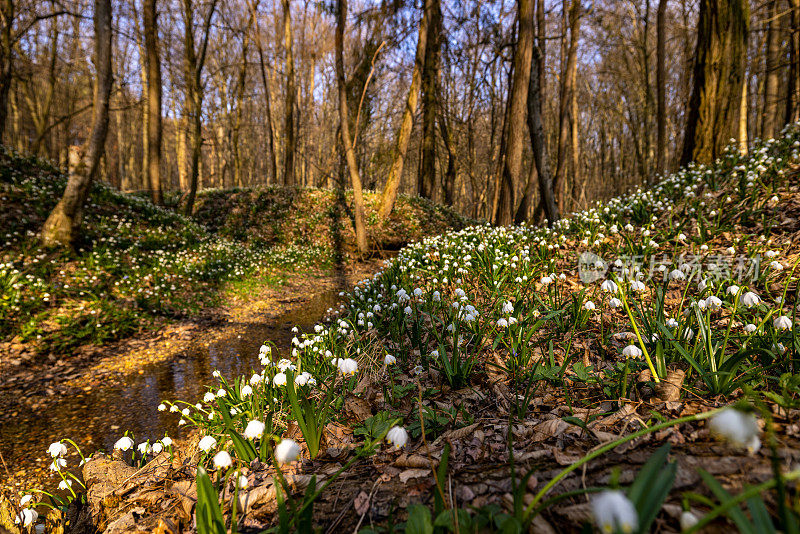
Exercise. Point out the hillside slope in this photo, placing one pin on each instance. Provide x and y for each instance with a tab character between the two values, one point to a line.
138	262
607	354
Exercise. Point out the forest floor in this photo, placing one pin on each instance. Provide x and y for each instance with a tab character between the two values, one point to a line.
634	367
32	391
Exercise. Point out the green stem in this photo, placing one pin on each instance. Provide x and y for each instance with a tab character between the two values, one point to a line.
608	446
639	337
750	492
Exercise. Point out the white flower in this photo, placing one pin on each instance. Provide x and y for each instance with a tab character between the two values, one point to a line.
255	379
287	451
418	370
750	328
279	379
738	427
246	391
782	323
241	482
25	500
677	274
713	303
615	302
208	397
222	460
254	429
27	517
776	265
546	280
502	323
157	447
57	449
750	299
732	289
58	464
672	323
167	441
207	443
303	378
589	305
688	520
162	407
124	443
65	484
185	412
632	351
215	373
609	286
221	392
614	512
389	360
348	366
144	448
397	436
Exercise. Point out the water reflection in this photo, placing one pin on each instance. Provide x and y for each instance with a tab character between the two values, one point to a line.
96	419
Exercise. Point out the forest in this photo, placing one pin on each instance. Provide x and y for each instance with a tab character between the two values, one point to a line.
399	266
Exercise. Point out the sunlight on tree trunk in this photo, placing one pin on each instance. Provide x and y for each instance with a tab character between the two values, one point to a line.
63	225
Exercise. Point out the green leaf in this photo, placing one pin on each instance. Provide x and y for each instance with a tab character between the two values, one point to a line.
209	515
447	518
419	520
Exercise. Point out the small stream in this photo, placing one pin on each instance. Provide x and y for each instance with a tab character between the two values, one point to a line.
96	419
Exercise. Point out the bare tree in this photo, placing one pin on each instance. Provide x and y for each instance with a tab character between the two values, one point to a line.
153	70
290	146
389	195
344	120
570	62
63	224
722	29
517	106
772	60
193	103
661	86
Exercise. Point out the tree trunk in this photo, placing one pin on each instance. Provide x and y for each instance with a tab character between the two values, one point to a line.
62	226
344	120
539	141
567	87
742	137
153	71
661	88
512	165
389	195
289	133
792	112
194	90
426	177
271	160
6	59
719	68
772	61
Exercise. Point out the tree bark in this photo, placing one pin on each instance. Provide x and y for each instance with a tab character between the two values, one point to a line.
426	177
389	195
63	225
539	141
792	112
742	137
153	71
719	69
272	164
194	92
567	87
344	120
512	165
288	125
661	88
772	60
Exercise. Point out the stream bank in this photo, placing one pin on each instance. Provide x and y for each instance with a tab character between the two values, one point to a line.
94	397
